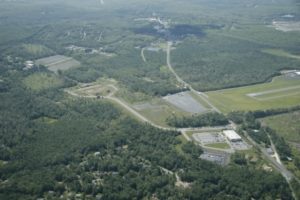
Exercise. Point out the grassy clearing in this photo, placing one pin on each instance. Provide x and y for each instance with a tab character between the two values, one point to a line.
47	120
160	111
236	99
178	146
219	145
280	52
287	125
36	49
42	81
132	97
95	90
276	95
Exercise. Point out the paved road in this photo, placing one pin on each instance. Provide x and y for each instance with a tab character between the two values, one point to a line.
169	45
277	157
144	119
279	167
123	104
289	176
143	55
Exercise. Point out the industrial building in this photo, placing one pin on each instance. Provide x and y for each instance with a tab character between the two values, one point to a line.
232	136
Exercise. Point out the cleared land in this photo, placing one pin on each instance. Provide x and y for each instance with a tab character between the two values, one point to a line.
158	110
36	49
286	26
42	81
276	93
281	53
95	90
219	158
287	125
186	102
281	92
58	62
101	88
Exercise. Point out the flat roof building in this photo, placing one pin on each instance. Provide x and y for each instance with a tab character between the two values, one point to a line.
232	135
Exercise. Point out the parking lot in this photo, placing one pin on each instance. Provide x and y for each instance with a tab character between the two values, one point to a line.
241	145
216	157
209	138
185	102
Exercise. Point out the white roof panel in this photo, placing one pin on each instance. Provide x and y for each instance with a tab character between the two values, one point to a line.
232	135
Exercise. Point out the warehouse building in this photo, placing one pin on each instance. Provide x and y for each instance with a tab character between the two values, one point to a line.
232	136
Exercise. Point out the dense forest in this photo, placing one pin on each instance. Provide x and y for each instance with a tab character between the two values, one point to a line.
53	145
218	62
208	119
57	146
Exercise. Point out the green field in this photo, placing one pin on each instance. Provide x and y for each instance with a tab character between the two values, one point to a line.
36	50
42	81
219	145
287	125
280	52
281	92
157	111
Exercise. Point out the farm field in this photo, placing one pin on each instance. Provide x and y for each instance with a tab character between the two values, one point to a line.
281	92
58	62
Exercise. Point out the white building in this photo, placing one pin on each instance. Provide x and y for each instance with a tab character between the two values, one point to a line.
232	135
28	65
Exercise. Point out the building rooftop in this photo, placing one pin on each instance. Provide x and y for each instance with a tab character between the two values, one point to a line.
232	135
